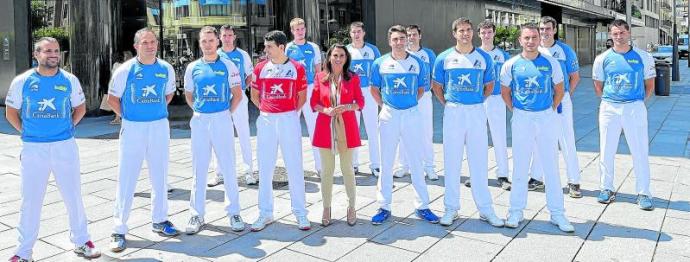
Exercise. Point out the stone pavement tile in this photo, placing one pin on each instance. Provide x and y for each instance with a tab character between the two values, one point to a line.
666	173
413	234
41	250
188	245
542	246
289	255
628	214
480	230
4	227
676	226
257	245
339	204
8	238
535	200
618	242
675	245
666	149
666	257
679	209
338	239
134	244
659	189
542	224
585	208
467	207
456	248
376	252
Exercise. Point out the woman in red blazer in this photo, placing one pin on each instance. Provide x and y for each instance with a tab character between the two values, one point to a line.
336	96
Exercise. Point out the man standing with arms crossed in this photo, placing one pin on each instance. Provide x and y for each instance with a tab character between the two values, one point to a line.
212	89
532	87
463	78
44	104
308	54
397	84
567	58
240	117
139	91
426	106
278	91
623	78
363	56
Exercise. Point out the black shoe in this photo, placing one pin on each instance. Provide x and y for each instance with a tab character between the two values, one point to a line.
535	185
574	190
468	183
504	183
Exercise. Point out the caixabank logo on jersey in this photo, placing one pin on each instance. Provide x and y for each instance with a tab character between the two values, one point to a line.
147	95
400	85
465	82
46	108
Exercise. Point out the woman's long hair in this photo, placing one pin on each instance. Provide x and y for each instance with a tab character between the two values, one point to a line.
328	68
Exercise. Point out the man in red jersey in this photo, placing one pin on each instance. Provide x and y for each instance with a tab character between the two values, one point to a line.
279	91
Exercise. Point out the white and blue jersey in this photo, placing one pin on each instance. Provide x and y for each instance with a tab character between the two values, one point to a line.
531	81
308	54
142	89
463	76
398	80
427	55
499	58
45	104
623	75
361	61
210	83
566	58
242	60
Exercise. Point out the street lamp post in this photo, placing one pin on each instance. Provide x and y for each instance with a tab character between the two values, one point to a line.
675	73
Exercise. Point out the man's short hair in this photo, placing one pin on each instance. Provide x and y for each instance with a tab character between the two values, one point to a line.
530	26
461	21
414	27
208	30
227	28
619	23
277	37
45	39
296	21
396	29
141	32
486	24
547	19
357	24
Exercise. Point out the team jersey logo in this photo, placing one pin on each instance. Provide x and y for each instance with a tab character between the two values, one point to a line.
161	75
139	76
531	82
556	55
398	82
33	88
210	89
62	88
235	59
477	64
308	52
47	109
220	73
148	90
365	54
358	68
277	88
633	61
47	103
411	69
622	81
465	78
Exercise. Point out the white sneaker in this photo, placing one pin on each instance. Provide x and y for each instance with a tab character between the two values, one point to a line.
492	219
449	217
250	180
400	172
236	223
430	173
217	179
562	223
513	220
303	223
376	171
261	223
194	225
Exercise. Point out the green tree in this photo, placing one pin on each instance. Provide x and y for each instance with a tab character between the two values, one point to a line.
55	32
40	13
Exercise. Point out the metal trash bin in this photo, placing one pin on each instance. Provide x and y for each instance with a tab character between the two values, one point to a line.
662	83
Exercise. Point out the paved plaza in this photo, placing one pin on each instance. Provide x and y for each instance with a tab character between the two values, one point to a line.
616	232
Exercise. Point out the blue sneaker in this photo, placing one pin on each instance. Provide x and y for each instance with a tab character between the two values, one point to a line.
427	215
381	216
165	228
606	196
645	202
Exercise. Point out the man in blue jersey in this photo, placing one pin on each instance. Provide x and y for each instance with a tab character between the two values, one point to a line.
567	59
397	84
414	36
309	55
213	90
140	90
494	105
363	56
463	78
532	87
624	78
44	104
240	117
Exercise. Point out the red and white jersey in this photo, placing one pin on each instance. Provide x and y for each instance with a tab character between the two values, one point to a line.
279	85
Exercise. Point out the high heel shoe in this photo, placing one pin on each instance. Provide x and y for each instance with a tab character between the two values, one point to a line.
351	216
326	218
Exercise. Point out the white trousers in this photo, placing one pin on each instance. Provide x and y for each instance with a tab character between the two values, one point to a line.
284	130
532	130
631	118
566	142
370	114
426	154
496	115
210	131
141	141
464	127
310	119
240	119
38	160
395	125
